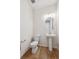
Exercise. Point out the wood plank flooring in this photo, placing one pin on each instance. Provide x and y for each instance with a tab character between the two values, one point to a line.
42	53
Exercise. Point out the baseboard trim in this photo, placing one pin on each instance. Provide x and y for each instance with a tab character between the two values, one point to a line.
45	45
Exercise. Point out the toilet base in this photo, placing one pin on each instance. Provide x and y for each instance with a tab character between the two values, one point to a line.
34	50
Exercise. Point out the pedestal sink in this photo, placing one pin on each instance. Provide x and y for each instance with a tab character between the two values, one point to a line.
50	39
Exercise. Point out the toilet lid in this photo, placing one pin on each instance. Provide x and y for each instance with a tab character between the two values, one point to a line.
34	43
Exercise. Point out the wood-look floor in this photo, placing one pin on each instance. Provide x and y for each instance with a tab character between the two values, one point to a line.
42	53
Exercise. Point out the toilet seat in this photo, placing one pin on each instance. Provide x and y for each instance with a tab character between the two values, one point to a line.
34	43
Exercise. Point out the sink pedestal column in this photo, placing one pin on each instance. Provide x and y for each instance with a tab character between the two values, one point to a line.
50	38
50	44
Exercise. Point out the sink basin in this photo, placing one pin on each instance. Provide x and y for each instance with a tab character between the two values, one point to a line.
50	35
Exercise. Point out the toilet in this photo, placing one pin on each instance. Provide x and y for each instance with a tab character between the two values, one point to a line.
34	44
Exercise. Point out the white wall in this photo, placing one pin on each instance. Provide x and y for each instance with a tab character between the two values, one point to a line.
40	27
26	25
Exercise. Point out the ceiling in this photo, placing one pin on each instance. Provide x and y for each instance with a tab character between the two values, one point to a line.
43	3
